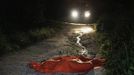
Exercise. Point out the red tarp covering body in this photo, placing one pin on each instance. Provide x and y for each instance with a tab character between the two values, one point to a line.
67	64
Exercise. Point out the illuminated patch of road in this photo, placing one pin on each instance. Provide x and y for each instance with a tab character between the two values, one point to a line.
81	31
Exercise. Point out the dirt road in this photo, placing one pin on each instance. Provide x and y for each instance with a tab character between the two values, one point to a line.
16	63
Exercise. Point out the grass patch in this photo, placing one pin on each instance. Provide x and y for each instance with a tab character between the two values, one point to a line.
16	40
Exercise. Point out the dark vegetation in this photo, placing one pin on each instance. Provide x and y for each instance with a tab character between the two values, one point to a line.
11	41
23	23
116	37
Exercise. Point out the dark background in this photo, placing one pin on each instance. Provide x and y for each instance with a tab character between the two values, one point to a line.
35	11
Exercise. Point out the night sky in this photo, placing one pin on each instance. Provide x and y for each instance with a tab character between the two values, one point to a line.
21	10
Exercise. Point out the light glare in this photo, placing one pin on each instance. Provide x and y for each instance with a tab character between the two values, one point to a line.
84	30
74	14
87	14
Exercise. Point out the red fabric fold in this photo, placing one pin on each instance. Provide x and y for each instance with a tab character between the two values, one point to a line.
67	64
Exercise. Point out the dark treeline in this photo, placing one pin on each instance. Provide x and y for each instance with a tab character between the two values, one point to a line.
20	15
116	23
24	22
23	14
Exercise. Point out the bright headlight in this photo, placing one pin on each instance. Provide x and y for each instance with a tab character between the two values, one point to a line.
74	14
87	14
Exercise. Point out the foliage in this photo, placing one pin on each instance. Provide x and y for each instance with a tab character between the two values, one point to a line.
23	23
41	33
16	40
117	45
